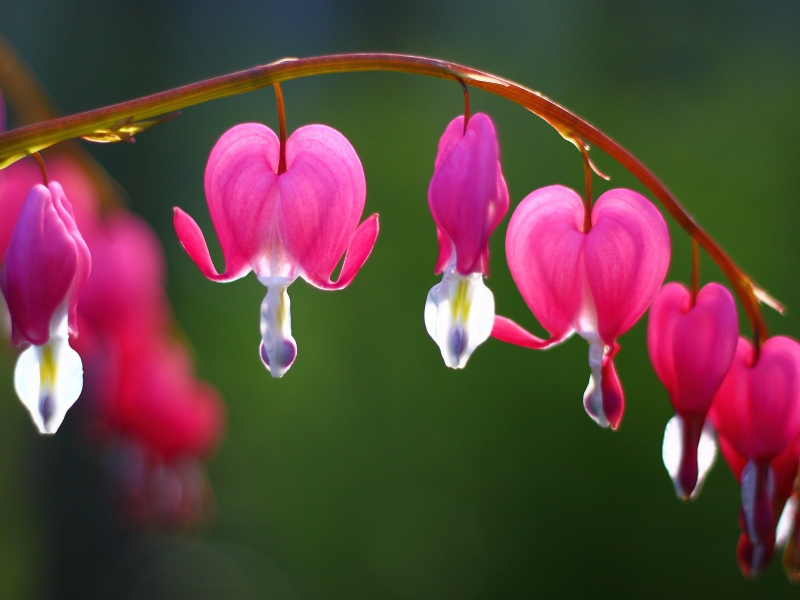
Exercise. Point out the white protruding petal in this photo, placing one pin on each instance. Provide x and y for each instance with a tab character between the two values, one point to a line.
706	454
278	348
786	522
672	453
593	396
459	316
749	485
48	380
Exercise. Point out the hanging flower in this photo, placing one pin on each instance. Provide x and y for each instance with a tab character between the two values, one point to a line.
595	283
757	414
286	225
468	198
45	268
691	344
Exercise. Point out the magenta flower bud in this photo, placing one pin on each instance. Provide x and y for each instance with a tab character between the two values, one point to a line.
468	198
45	268
691	347
283	225
596	284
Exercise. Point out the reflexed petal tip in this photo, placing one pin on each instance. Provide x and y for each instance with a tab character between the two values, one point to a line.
193	241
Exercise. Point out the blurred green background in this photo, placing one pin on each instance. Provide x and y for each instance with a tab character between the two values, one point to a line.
371	471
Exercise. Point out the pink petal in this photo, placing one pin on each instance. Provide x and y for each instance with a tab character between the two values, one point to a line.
692	347
757	408
322	197
39	268
241	190
508	331
467	195
627	256
544	248
613	396
84	266
445	249
357	253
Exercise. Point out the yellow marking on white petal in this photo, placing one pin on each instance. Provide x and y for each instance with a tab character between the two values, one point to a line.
461	303
47	369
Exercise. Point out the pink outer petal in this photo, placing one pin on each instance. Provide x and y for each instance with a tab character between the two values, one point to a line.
357	253
627	256
322	197
241	191
506	330
692	347
757	408
467	195
445	250
17	180
544	247
613	396
40	265
84	266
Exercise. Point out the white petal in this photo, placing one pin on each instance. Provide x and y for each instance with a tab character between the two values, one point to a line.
786	522
593	396
749	485
278	348
49	397
672	453
459	316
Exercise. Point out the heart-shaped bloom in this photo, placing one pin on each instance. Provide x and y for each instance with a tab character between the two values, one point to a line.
283	225
596	284
691	346
45	268
468	198
757	412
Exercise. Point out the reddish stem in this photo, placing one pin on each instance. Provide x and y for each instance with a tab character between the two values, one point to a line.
42	167
695	270
282	127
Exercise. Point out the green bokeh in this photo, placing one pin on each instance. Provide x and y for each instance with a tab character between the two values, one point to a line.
370	470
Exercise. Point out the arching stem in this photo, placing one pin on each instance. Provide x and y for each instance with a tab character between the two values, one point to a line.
281	127
18	143
587	187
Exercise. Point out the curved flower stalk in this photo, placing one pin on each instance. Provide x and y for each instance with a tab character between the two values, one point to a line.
757	414
468	198
595	283
283	224
45	268
691	343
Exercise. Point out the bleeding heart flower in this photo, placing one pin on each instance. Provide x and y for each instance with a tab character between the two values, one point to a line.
596	284
691	346
468	198
283	225
45	268
757	414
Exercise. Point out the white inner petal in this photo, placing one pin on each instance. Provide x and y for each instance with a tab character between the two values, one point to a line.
459	315
48	380
672	453
278	348
786	522
593	396
749	485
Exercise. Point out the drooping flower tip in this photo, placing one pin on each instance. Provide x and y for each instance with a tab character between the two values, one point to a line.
691	345
45	268
298	223
468	198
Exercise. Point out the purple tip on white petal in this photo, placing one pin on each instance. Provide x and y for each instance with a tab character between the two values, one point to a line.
688	453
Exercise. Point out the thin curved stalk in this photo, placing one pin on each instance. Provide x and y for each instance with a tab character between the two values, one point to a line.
121	121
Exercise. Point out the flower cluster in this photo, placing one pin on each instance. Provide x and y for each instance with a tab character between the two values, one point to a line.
67	267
